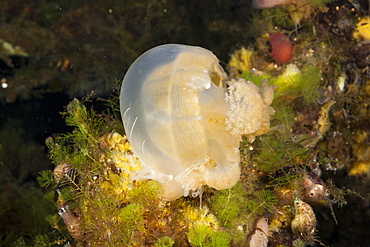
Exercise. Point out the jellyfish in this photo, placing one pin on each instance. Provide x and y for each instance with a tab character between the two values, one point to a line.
183	125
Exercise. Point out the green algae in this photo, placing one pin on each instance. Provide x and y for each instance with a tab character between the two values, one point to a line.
202	236
228	204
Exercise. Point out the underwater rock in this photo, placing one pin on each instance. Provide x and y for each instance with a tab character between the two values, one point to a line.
183	127
259	236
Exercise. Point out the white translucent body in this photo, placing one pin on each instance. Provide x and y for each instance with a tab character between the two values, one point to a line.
182	126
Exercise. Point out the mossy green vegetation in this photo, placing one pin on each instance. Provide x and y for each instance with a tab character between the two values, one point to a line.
302	83
261	202
203	236
237	209
274	153
256	78
292	83
228	204
165	242
277	17
131	217
108	204
46	178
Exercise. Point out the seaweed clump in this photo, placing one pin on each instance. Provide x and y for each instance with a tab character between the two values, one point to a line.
101	205
97	201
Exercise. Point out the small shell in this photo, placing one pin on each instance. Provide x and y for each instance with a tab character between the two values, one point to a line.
304	222
176	117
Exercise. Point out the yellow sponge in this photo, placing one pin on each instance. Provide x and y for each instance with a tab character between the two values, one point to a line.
362	30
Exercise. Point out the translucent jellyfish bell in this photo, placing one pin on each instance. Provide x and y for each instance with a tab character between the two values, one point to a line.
181	125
